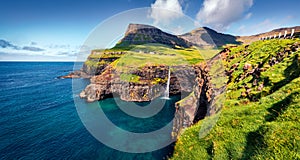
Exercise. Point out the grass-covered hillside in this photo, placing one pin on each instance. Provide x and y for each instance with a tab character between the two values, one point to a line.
260	116
134	57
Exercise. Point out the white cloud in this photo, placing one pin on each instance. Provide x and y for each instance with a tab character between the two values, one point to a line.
219	14
164	11
63	52
248	16
178	30
241	28
264	26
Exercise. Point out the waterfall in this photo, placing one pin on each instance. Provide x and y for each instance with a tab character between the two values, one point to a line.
166	94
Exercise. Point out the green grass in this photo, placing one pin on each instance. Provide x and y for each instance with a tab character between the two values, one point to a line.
208	53
142	55
265	128
137	56
152	54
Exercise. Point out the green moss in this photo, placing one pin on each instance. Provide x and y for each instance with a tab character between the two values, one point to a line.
129	78
192	94
159	81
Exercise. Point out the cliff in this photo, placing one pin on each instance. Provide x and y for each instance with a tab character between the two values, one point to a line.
195	106
151	83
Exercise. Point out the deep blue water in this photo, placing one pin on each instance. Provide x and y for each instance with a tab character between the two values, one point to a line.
39	119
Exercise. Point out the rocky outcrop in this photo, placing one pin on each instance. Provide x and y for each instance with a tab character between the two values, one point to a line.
151	83
76	74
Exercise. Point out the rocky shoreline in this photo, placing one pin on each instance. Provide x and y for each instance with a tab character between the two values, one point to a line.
192	80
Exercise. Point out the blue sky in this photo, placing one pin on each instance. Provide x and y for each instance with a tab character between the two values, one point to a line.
62	26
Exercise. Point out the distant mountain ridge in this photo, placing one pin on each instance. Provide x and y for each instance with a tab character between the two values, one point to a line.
201	37
206	37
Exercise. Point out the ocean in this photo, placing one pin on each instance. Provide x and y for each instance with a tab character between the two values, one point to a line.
39	118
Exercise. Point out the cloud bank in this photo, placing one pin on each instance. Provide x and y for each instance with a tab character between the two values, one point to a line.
219	14
34	52
164	11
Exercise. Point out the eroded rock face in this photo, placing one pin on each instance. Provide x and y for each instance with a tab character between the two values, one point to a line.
151	83
194	107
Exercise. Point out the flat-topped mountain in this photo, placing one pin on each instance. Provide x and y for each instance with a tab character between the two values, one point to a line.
142	34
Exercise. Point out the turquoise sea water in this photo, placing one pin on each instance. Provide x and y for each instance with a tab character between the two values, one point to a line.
39	120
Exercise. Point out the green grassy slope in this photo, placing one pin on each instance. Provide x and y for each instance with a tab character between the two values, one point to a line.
134	57
153	54
260	117
128	59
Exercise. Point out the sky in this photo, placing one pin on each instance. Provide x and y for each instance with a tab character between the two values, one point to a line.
57	30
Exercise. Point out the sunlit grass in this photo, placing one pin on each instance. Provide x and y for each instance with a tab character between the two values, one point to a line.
267	128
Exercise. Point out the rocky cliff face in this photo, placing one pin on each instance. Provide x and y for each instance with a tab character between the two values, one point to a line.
151	83
194	107
143	34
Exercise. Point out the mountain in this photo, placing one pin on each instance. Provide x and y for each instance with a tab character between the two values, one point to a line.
143	34
200	37
206	37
